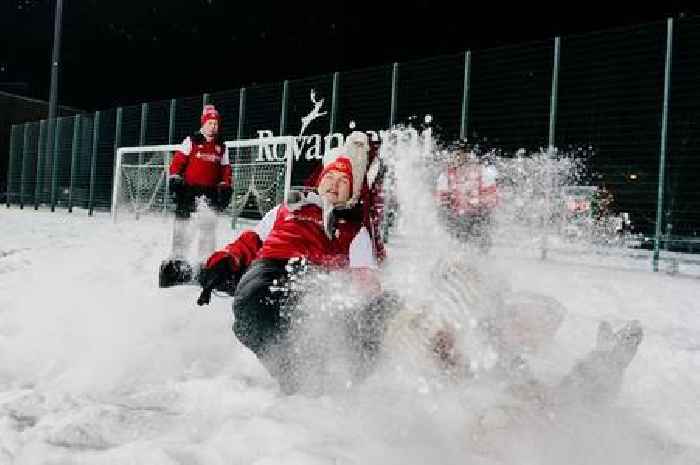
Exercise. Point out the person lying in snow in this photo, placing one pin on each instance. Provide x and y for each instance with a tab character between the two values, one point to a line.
329	228
476	328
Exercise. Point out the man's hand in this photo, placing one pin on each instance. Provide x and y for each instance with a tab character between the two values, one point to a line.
223	194
220	269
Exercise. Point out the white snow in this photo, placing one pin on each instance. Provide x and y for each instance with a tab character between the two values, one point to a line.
100	366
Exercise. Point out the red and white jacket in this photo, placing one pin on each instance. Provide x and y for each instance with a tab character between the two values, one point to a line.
202	163
286	233
469	188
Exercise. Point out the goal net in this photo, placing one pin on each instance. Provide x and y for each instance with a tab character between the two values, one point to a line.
262	174
261	168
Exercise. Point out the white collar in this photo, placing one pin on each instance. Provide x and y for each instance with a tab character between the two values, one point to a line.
310	198
205	137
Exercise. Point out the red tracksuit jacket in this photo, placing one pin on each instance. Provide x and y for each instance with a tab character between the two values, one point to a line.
202	163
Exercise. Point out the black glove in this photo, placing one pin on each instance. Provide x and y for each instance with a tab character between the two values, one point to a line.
223	194
221	276
175	183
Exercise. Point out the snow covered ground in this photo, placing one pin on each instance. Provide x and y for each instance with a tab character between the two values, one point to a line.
99	366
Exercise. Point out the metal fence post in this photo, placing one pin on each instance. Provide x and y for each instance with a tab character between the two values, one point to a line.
171	136
663	148
334	102
9	163
394	92
25	147
39	172
142	142
548	173
171	120
241	113
117	144
555	94
144	122
464	123
54	162
239	136
283	113
93	161
73	160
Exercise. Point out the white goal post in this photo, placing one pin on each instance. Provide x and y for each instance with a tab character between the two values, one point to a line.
261	168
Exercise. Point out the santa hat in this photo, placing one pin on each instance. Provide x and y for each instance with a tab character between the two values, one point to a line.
209	112
355	151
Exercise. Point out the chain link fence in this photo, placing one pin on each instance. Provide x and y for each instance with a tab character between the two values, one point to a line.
599	95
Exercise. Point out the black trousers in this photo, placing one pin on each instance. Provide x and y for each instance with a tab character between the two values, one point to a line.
260	305
264	306
185	199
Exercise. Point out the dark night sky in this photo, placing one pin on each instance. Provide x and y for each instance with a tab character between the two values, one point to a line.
126	51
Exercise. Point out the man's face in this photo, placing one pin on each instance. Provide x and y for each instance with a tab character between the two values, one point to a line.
210	128
335	187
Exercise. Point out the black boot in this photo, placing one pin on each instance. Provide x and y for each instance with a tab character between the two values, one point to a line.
173	272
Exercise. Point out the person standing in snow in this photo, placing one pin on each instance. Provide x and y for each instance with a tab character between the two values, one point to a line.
200	169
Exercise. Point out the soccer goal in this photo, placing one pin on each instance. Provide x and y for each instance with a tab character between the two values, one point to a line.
262	174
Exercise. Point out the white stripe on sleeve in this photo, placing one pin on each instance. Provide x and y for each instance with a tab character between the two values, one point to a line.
186	146
361	251
224	159
265	225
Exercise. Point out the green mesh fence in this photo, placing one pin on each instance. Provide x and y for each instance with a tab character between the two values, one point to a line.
418	96
263	105
157	123
610	101
28	161
510	90
63	151
682	199
40	164
364	99
187	113
608	111
14	176
227	103
80	192
48	146
104	160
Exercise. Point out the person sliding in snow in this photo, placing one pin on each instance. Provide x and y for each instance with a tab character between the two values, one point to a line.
324	230
200	169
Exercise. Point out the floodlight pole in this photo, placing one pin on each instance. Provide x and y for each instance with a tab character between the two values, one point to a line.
55	57
53	92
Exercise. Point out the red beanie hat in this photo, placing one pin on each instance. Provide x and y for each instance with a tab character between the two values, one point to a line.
209	112
340	164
